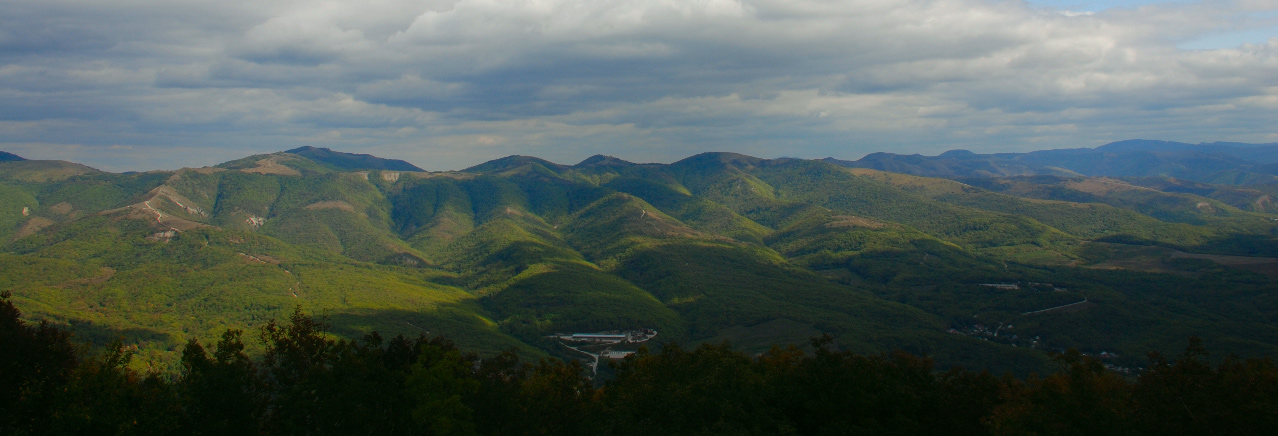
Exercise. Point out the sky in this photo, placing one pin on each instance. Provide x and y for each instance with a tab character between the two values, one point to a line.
446	84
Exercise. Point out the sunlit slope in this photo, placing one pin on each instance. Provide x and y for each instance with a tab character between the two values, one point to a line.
697	212
16	210
136	235
852	250
718	246
341	212
771	191
518	240
135	278
1184	217
561	249
722	286
344	213
845	227
1085	220
1169	206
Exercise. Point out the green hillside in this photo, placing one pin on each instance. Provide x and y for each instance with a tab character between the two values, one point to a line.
352	161
714	247
41	170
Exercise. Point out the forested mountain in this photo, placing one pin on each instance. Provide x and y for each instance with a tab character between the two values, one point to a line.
351	161
983	272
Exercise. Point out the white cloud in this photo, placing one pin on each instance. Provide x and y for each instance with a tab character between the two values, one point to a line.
445	82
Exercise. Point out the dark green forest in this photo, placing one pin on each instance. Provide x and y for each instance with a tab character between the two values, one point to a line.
308	383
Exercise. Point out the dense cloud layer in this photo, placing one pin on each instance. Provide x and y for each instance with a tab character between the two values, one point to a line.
445	84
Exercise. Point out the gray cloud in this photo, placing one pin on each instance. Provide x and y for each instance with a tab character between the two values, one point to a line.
445	84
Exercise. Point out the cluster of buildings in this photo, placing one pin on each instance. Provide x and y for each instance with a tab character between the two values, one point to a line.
1001	334
1017	286
590	344
614	337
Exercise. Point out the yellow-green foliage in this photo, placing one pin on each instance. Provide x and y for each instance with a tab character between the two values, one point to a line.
12	202
614	224
198	283
717	246
699	213
242	196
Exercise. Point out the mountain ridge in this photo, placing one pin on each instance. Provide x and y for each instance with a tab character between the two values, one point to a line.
352	161
1216	162
716	246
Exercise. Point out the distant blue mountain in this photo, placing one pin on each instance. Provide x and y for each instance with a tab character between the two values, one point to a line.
1216	162
9	157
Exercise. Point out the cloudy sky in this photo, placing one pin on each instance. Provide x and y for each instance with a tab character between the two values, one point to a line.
445	84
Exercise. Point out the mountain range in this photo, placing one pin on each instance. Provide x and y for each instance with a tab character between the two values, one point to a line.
985	261
1216	162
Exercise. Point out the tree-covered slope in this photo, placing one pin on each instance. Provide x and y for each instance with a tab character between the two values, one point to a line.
717	246
352	161
38	171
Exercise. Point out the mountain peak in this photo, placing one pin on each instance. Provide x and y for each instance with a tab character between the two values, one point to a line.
511	162
958	154
9	157
721	158
600	160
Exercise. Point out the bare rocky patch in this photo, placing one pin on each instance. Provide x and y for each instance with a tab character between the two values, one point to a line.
271	165
33	225
1104	186
62	208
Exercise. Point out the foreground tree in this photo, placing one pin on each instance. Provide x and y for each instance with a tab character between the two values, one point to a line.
1190	396
35	364
1084	398
222	394
307	382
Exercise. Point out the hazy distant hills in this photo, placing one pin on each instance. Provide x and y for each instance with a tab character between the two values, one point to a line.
7	157
1217	162
714	247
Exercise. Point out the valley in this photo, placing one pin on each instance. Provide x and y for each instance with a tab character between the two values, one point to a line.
715	247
